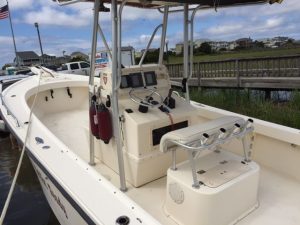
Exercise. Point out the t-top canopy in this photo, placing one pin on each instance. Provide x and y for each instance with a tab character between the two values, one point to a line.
159	3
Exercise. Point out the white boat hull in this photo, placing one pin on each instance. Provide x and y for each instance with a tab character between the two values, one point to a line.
63	205
80	193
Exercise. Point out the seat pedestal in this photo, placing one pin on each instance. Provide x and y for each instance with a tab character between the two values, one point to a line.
228	192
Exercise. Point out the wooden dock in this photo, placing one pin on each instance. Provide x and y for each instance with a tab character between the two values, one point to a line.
257	73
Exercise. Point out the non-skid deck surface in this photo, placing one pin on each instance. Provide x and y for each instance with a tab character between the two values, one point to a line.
279	199
72	129
279	196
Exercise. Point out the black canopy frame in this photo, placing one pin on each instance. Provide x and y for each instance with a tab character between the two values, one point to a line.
161	3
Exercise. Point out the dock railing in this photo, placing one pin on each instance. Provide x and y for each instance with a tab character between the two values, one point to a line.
246	72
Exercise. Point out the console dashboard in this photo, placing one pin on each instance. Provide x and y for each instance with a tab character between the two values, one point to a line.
140	79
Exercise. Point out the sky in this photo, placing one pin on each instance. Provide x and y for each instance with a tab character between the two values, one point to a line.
68	28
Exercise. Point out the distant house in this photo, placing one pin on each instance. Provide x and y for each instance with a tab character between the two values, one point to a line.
62	60
244	42
173	50
218	45
281	40
138	54
232	45
275	42
179	48
127	48
27	58
79	55
48	59
199	42
149	50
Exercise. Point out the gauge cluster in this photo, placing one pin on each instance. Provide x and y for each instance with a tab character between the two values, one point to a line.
136	80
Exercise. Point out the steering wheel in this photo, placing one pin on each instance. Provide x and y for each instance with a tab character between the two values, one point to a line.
147	100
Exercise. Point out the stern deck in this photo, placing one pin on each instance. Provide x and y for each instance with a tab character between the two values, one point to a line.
278	194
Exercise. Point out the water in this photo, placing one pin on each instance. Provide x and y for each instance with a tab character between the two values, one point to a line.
275	95
28	205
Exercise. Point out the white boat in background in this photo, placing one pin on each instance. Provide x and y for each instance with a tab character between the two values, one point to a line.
6	81
126	149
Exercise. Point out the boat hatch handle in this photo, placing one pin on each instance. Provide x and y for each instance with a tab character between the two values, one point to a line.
123	220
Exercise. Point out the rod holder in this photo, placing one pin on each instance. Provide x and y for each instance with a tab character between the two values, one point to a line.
249	123
204	138
236	128
222	133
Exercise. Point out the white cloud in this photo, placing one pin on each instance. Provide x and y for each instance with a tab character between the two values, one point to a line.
274	22
130	13
78	15
5	40
224	29
19	4
51	16
285	7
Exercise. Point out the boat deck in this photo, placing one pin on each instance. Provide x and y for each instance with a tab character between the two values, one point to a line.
279	195
278	198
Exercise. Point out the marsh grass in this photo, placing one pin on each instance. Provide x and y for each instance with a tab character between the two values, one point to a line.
252	104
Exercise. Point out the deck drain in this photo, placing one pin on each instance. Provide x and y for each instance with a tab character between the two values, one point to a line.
122	220
39	140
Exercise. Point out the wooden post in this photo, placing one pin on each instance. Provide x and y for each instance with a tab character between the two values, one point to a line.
237	73
267	94
279	70
199	75
298	65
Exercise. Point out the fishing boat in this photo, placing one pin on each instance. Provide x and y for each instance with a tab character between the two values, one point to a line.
6	81
126	148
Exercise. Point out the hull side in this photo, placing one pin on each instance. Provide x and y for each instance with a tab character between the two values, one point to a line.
63	205
59	200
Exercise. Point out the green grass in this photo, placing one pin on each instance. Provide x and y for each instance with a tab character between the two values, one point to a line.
246	103
239	55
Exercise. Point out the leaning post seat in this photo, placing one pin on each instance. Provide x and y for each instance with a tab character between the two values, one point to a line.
217	187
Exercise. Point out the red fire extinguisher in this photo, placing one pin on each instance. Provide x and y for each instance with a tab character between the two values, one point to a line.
93	117
104	123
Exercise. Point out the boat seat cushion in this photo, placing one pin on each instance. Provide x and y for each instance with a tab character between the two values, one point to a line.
194	132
